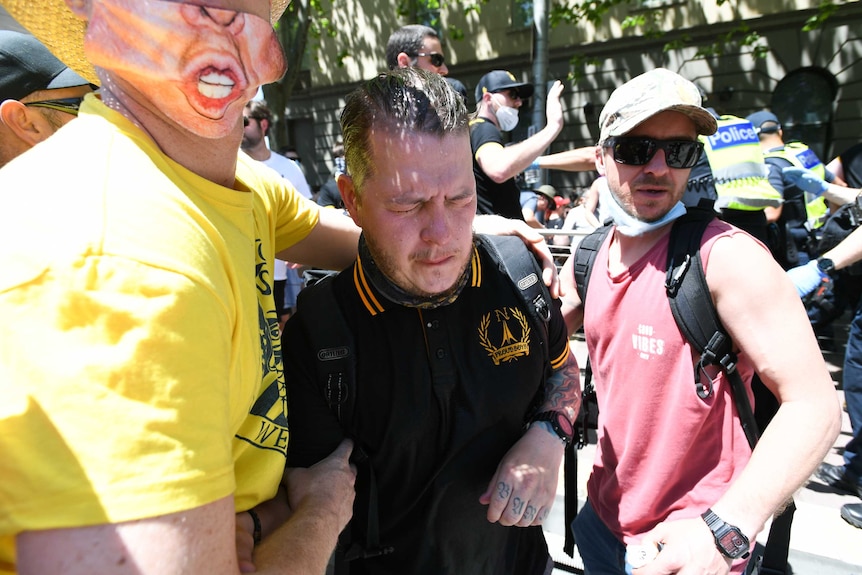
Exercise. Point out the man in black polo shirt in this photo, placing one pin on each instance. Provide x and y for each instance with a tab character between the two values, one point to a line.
462	405
498	97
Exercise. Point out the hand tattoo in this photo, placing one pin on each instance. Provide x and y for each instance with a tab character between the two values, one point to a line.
517	505
503	490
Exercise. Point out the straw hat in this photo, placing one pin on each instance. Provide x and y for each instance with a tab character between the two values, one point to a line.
62	32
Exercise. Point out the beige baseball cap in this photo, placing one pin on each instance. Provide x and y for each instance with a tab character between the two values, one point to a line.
644	96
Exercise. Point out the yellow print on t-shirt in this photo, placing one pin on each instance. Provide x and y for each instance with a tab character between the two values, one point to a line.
266	426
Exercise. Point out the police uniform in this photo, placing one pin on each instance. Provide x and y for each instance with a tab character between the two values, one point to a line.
801	212
441	396
738	177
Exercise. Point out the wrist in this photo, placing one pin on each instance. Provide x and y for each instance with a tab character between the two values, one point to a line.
825	266
555	423
729	539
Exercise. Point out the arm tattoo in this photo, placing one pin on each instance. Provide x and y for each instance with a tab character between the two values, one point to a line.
563	388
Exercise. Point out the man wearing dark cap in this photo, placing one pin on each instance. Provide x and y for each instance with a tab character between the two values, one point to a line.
498	96
800	213
673	470
38	93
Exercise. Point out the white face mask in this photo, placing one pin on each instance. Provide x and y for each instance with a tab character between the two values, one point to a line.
627	224
507	118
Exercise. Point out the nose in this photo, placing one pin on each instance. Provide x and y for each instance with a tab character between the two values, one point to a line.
657	164
202	16
436	227
443	70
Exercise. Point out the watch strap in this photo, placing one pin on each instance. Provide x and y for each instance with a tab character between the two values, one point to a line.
724	532
559	423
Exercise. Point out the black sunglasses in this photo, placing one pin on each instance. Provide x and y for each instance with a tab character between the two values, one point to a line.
637	151
246	120
67	105
436	58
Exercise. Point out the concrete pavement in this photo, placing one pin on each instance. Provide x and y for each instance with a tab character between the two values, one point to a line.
821	542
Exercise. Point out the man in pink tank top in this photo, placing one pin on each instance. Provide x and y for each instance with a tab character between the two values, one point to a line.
673	471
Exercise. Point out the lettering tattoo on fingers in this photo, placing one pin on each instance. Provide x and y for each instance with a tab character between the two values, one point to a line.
503	490
517	505
529	513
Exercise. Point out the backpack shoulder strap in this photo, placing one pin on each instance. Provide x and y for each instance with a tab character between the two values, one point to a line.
514	258
333	345
335	368
585	256
696	316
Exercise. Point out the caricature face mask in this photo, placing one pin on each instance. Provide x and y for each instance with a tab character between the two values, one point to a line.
193	64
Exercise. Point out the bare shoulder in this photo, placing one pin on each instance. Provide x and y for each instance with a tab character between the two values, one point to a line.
739	264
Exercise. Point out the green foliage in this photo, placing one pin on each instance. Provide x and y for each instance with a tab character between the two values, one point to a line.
824	11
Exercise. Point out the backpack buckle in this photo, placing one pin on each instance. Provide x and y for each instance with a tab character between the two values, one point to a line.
675	275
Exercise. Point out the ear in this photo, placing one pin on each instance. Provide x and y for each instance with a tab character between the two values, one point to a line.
27	124
600	160
348	196
404	61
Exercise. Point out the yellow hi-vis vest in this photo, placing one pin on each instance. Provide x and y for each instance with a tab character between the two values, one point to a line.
741	176
802	156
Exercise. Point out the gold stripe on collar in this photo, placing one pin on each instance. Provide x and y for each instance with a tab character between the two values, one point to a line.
364	289
475	268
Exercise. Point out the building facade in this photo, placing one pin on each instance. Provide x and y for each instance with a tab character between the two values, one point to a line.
811	79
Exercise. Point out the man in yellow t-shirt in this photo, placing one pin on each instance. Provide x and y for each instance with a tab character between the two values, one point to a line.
143	404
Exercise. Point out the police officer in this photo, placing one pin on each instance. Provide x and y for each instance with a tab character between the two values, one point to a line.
801	213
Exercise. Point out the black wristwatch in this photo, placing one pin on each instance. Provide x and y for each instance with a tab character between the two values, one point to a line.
559	423
825	265
729	539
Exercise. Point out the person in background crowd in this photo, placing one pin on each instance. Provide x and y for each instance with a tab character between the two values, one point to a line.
257	121
329	196
38	94
545	196
530	207
417	46
676	475
498	96
799	215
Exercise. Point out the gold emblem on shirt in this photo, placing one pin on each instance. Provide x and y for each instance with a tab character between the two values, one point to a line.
511	347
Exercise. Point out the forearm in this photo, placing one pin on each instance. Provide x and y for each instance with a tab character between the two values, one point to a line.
784	458
576	160
302	545
848	252
840	195
504	163
563	389
332	244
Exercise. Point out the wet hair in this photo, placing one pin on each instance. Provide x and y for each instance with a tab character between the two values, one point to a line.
408	39
405	100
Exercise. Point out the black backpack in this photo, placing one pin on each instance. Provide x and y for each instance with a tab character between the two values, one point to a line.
696	317
335	364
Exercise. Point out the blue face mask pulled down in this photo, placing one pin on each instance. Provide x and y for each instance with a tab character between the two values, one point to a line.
627	224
